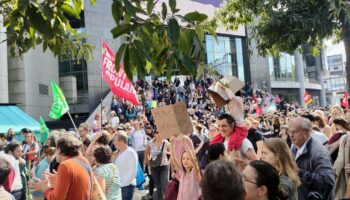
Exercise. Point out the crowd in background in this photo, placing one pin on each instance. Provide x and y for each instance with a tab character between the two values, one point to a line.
256	147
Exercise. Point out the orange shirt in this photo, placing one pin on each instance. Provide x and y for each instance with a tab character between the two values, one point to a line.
72	181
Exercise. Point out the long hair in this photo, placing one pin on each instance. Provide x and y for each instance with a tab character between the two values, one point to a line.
285	163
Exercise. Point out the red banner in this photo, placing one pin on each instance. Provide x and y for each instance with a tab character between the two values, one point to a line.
118	81
345	101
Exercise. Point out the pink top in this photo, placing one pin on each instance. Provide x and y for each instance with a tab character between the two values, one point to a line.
189	186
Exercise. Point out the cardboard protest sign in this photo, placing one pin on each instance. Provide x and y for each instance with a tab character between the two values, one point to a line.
217	89
171	120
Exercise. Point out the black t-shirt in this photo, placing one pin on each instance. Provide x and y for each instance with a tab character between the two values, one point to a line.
254	136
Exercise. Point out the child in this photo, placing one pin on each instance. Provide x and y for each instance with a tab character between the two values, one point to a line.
188	174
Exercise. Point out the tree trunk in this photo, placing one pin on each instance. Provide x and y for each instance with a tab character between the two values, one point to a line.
346	40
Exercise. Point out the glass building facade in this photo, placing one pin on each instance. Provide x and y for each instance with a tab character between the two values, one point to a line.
282	68
69	66
226	55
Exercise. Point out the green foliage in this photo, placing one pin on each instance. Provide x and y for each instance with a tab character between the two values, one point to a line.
159	41
281	25
34	22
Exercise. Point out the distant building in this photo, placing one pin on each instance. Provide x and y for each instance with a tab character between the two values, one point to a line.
334	79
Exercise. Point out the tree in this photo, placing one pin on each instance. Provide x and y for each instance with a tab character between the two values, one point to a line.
34	22
284	25
156	41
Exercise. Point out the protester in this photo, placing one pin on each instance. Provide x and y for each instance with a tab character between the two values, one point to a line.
84	135
254	135
73	179
277	153
138	141
42	167
341	167
13	157
156	158
188	174
107	174
261	181
30	149
5	169
333	144
216	152
314	162
222	181
114	120
10	135
126	162
234	138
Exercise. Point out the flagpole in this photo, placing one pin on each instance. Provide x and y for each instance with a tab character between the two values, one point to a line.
70	116
101	83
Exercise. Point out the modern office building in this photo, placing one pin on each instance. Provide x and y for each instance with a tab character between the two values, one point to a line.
290	75
26	81
334	79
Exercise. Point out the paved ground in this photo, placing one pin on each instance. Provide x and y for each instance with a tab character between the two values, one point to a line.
139	194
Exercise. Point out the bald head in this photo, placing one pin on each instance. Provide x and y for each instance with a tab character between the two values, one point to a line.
299	130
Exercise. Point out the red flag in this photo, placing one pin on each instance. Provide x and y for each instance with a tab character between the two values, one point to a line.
307	98
258	110
118	81
345	101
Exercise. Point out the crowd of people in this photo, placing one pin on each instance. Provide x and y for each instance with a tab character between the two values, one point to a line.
236	152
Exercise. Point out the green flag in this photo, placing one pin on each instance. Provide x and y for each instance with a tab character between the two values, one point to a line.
59	106
44	131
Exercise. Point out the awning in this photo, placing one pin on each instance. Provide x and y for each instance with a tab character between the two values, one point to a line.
13	117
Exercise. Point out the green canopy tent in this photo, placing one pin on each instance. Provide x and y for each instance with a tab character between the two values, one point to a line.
11	116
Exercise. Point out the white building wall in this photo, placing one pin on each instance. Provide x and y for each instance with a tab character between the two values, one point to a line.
25	75
4	92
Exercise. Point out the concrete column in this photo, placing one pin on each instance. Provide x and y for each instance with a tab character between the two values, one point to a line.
319	70
299	67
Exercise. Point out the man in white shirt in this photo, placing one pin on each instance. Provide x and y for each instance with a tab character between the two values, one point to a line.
127	164
138	141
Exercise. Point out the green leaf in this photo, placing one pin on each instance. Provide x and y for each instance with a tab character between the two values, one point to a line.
187	63
66	8
174	31
79	5
196	17
116	12
150	6
119	55
129	8
138	61
37	21
127	66
172	4
120	30
92	2
164	11
148	66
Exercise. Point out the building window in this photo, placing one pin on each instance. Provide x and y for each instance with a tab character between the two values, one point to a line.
226	55
282	68
43	89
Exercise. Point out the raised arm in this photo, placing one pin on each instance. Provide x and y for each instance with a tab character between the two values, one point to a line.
235	107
